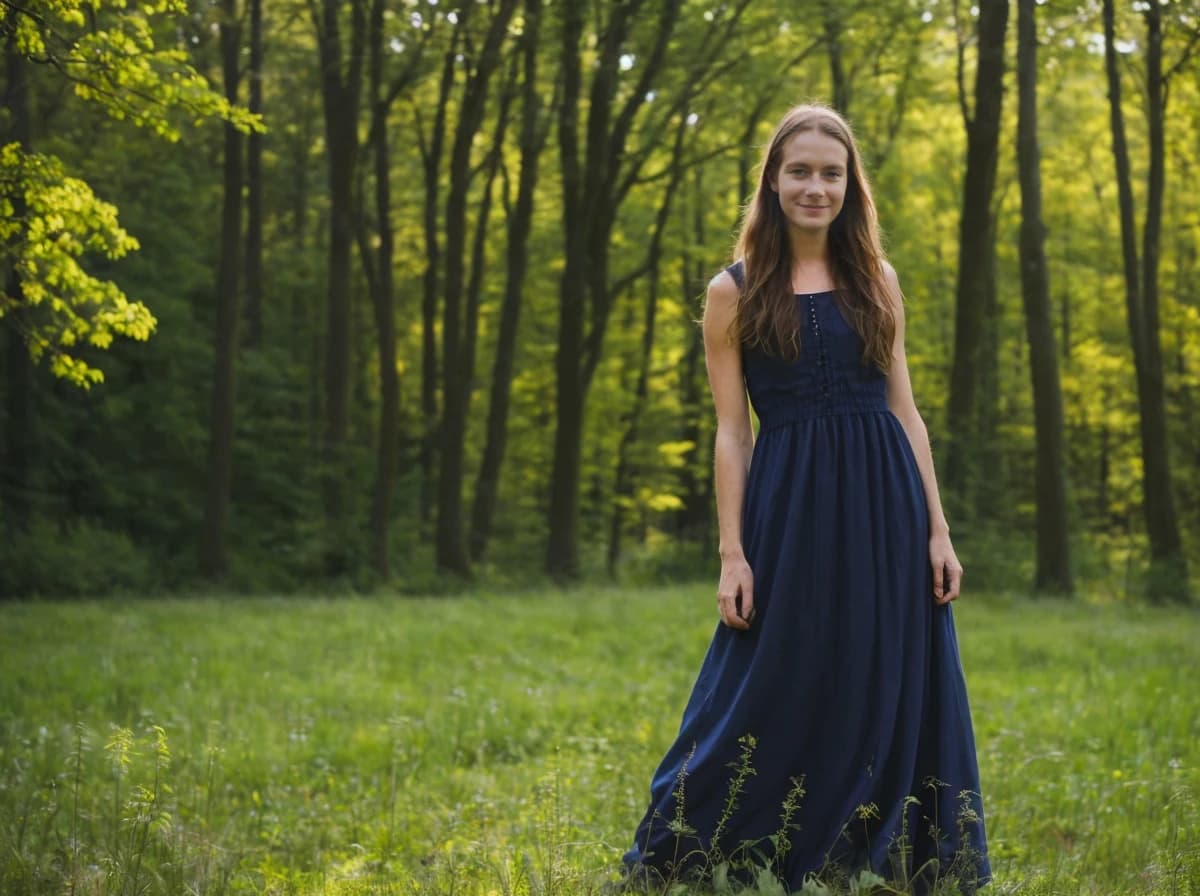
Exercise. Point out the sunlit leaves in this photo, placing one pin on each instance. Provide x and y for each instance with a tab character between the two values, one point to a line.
106	51
63	220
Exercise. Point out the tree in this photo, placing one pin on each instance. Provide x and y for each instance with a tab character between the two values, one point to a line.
1053	546
341	94
1168	563
597	174
975	296
51	307
213	560
254	185
378	268
458	324
431	148
624	477
107	54
532	139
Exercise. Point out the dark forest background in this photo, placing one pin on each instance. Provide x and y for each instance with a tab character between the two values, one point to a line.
420	281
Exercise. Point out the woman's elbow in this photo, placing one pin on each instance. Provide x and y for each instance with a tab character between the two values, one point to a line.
735	436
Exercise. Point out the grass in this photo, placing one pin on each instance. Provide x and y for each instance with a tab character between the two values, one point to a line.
502	744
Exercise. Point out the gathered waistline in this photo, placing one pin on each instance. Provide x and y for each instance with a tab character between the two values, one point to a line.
800	413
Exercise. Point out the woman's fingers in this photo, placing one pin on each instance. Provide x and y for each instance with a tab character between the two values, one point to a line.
947	579
745	606
954	575
729	612
939	585
736	602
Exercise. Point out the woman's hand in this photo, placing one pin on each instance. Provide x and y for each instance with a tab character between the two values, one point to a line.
947	571
735	593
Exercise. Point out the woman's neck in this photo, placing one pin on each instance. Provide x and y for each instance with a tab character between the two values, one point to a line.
809	256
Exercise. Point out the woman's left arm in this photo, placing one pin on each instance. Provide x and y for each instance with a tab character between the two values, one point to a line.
947	571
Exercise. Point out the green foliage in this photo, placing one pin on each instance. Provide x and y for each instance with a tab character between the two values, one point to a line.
76	560
130	458
60	219
502	743
106	50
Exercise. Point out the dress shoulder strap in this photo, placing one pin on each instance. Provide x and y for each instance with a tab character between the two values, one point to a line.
737	271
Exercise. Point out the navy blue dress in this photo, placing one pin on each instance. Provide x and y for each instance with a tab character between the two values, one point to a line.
847	692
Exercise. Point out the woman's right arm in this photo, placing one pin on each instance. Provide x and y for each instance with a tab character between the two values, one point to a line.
734	446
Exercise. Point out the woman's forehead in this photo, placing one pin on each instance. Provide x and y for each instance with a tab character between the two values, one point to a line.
814	147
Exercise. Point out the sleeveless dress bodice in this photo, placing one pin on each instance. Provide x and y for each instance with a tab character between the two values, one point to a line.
829	378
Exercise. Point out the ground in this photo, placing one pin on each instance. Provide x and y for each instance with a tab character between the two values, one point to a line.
503	743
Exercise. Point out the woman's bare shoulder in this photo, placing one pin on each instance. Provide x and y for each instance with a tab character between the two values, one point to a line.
722	291
720	308
891	282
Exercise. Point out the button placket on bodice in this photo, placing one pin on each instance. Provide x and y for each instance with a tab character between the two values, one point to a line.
824	371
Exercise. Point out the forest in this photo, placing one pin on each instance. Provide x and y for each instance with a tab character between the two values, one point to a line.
349	294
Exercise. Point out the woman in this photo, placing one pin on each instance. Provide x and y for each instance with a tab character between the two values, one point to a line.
828	731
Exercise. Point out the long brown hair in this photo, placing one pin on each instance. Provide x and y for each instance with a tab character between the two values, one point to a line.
767	316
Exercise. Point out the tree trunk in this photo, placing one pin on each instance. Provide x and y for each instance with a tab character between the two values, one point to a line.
431	159
975	291
254	187
457	337
592	193
301	318
382	301
1168	574
18	435
341	83
831	20
625	480
213	558
532	139
1053	547
695	517
562	550
1169	577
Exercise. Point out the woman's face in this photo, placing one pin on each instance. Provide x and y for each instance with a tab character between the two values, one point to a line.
811	180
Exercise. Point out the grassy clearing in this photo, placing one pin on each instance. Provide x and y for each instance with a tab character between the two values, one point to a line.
503	744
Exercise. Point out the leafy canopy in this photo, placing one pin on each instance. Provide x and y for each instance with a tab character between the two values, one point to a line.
106	50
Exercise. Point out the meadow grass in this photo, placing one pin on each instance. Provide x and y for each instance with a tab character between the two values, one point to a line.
503	744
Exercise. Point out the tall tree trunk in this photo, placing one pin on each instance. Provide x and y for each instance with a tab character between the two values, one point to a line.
341	88
382	301
1053	546
254	186
624	484
593	188
299	148
532	140
431	161
1168	579
300	314
831	20
562	557
213	558
18	434
450	544
695	517
975	291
